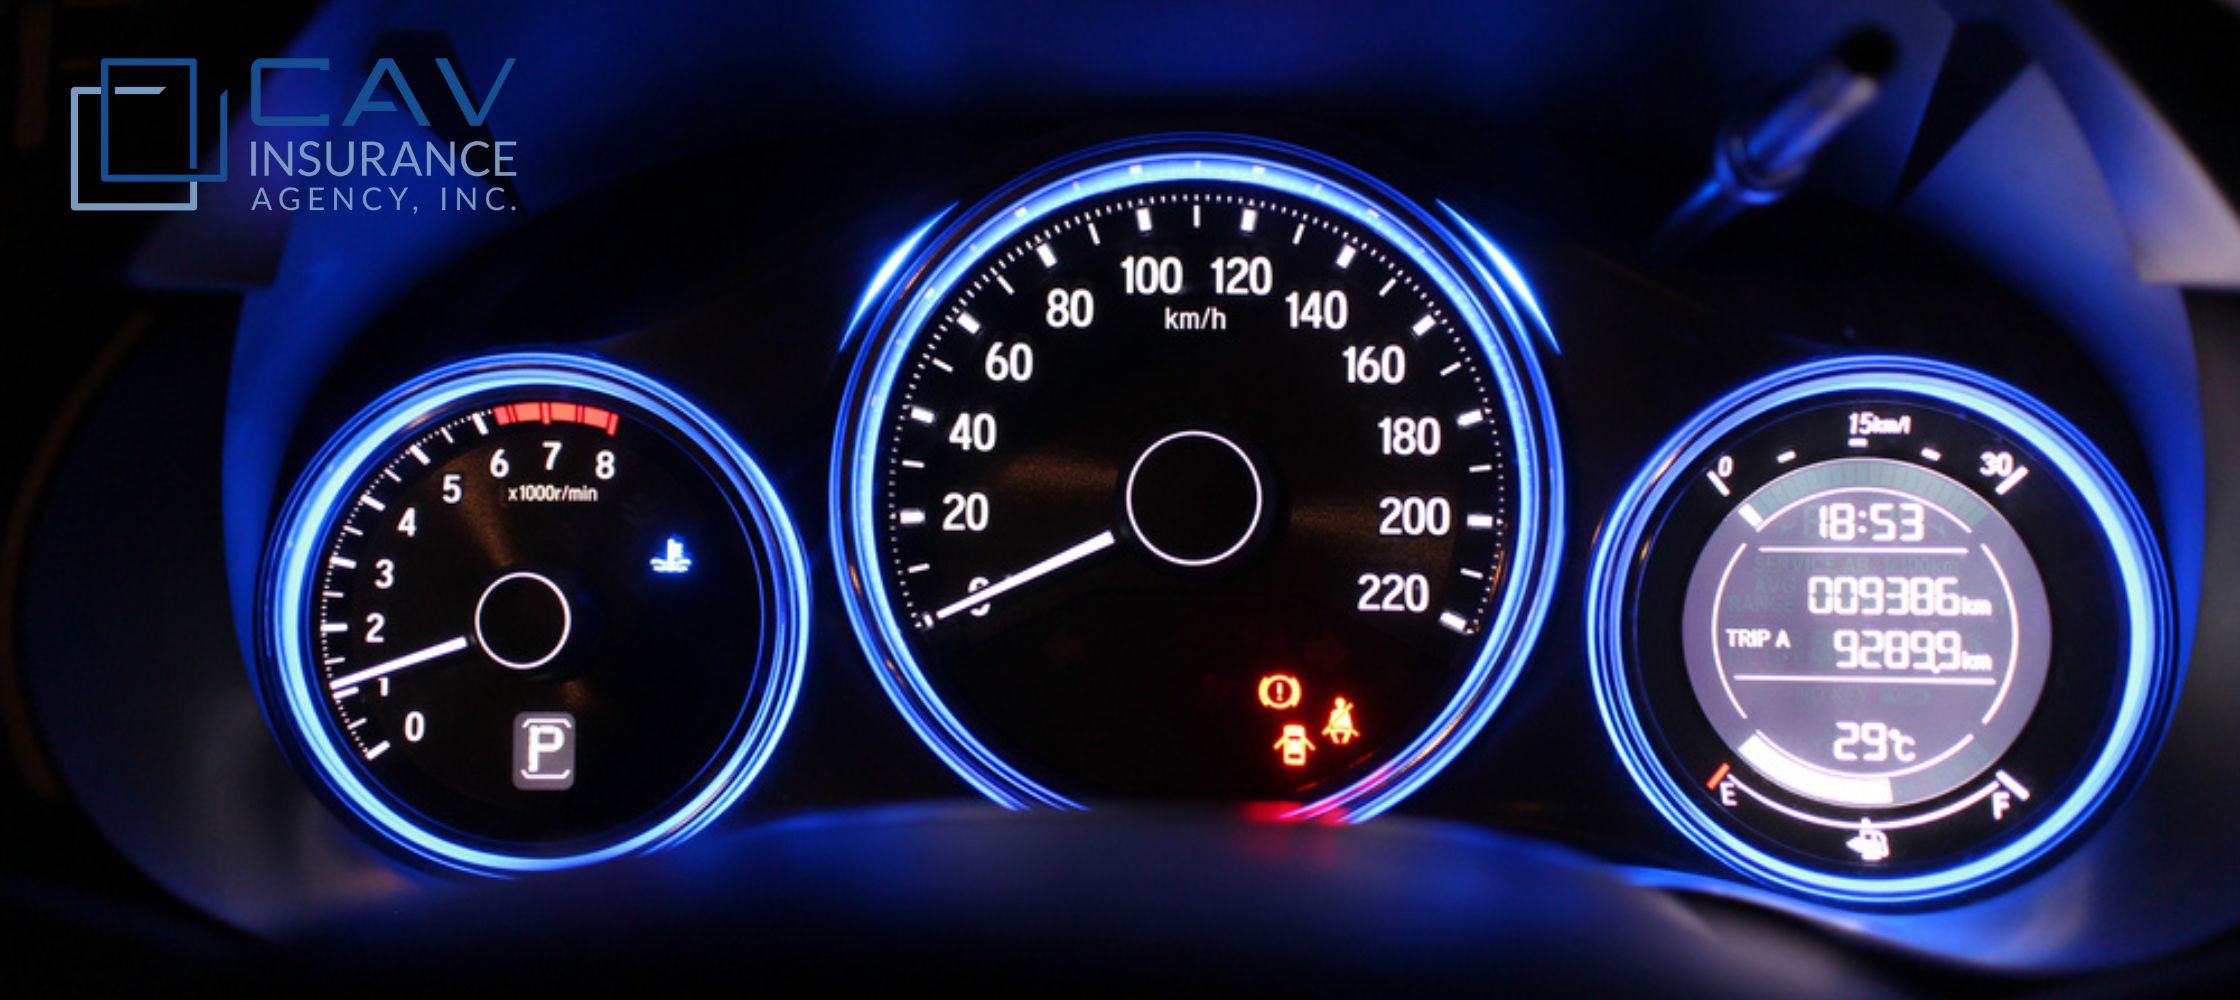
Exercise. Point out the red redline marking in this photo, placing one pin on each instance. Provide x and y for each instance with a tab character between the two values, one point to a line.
566	413
1718	776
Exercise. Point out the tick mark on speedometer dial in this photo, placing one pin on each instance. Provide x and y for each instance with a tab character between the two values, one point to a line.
1171	440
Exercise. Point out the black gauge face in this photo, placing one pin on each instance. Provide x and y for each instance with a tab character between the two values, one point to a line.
1195	489
541	619
1866	632
1883	628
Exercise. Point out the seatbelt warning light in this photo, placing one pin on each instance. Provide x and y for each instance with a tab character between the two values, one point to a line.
1340	728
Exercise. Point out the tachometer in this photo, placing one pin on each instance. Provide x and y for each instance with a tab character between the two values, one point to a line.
1879	629
531	611
1199	467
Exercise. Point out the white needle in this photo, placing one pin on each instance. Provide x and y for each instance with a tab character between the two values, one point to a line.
1078	552
437	651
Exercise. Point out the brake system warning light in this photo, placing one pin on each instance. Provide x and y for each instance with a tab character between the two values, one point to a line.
1279	691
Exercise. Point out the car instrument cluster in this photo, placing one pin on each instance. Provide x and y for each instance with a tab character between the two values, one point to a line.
1203	467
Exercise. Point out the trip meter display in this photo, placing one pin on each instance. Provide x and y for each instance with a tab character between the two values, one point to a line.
1879	629
532	611
1198	468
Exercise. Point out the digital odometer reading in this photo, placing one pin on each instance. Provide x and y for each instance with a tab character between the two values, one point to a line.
542	621
1878	629
1196	488
1866	632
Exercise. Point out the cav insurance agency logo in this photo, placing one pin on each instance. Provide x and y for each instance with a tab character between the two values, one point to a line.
136	144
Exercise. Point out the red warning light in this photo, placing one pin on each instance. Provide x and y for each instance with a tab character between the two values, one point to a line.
1279	691
1293	745
1340	729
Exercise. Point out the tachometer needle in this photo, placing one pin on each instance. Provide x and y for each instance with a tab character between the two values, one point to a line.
1083	550
437	651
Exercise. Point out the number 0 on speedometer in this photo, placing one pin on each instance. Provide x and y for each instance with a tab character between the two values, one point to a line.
1198	468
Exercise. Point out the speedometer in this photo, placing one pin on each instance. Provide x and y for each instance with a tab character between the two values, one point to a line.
1199	467
1880	630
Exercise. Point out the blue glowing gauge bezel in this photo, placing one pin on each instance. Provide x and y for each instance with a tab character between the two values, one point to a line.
2149	671
310	513
1486	288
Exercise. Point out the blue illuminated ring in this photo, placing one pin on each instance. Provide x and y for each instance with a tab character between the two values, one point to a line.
295	710
1486	288
2149	672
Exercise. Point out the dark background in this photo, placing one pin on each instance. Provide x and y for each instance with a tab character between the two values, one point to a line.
74	315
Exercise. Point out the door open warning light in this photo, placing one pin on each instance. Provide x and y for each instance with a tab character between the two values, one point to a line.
1293	745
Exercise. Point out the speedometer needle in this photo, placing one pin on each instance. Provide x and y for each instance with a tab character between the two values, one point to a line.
1082	550
437	651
